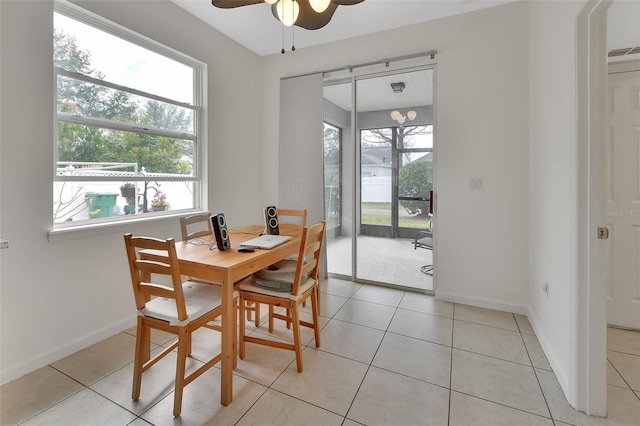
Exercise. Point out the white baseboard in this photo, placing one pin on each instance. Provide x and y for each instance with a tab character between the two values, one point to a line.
547	348
54	354
482	302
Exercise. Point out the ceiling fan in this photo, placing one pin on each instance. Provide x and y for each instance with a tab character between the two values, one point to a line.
308	14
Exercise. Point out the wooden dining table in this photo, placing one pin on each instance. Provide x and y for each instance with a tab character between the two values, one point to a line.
200	258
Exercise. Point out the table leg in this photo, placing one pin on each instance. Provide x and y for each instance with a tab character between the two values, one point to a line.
226	388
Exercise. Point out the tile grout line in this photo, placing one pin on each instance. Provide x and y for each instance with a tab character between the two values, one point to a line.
372	358
544	397
622	377
453	322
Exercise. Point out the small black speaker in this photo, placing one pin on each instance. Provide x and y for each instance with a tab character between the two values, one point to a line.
271	220
219	225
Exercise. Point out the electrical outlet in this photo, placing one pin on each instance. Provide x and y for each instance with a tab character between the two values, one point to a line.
4	244
476	184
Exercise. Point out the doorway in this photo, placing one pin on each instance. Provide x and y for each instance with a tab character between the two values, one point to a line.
379	175
622	194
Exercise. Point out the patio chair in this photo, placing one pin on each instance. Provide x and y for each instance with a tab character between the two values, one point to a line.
424	239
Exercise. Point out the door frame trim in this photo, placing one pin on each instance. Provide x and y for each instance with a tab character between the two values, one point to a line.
589	387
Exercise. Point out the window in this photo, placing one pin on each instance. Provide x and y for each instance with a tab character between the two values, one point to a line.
128	123
333	175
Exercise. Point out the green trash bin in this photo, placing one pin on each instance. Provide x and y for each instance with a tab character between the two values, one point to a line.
100	204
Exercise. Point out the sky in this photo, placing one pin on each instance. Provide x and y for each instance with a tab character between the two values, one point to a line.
125	63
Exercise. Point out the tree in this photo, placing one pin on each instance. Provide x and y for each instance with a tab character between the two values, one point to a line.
416	180
375	137
83	143
332	162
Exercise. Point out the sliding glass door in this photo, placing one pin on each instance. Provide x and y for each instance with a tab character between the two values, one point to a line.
338	180
386	176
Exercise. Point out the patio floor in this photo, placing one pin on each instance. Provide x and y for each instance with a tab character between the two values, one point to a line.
383	260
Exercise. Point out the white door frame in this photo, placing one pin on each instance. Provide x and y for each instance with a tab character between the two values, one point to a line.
590	383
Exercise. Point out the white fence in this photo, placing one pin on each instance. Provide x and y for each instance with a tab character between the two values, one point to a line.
376	189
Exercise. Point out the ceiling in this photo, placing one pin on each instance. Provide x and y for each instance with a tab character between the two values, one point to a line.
255	27
375	94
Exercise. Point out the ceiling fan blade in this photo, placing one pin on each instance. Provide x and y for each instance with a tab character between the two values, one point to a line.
346	2
230	4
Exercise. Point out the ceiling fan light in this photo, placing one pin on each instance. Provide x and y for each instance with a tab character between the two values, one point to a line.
411	115
319	5
270	1
395	114
288	11
401	119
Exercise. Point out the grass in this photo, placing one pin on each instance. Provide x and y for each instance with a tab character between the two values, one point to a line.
383	218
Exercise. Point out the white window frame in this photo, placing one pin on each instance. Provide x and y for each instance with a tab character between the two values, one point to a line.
199	173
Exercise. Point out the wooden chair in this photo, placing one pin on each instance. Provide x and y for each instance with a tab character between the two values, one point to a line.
196	226
296	217
200	224
178	308
303	277
196	223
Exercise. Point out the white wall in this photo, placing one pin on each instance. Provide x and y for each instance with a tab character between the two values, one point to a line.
58	297
482	132
553	185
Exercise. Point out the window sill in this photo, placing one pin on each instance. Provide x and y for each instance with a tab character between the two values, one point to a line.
87	230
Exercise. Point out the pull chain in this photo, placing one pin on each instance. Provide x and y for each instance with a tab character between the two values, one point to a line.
293	37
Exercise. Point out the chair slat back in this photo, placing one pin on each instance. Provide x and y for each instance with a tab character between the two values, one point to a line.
146	273
309	254
200	219
298	218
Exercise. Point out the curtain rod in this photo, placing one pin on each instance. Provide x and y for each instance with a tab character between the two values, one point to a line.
431	53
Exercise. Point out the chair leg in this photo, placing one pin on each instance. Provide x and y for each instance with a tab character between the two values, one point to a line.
249	311
242	326
288	321
143	348
256	310
296	336
270	318
183	342
315	312
188	339
235	334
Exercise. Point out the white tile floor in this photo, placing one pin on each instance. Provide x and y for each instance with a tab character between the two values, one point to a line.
388	357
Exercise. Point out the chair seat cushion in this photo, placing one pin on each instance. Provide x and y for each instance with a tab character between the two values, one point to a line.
276	280
247	285
277	277
199	298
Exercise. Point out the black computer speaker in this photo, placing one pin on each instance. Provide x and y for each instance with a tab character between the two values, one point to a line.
219	225
271	220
